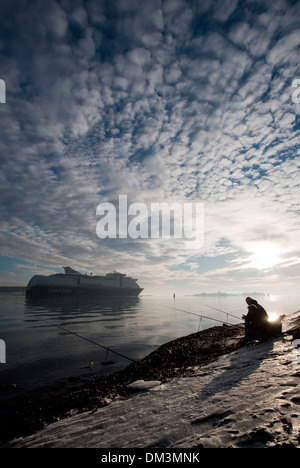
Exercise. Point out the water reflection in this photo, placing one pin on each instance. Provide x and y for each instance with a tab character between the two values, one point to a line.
69	308
61	334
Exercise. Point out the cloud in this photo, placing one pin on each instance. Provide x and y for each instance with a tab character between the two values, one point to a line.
161	101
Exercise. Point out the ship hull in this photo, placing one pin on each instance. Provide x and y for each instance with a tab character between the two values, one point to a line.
74	283
48	291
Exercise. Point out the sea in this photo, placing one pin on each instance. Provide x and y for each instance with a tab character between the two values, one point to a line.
57	339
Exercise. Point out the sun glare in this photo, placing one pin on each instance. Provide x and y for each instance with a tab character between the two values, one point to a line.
273	316
265	255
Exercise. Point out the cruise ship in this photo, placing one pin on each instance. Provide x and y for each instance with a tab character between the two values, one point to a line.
72	282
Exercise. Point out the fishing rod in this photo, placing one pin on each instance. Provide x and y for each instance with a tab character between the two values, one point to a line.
123	355
90	341
198	315
220	310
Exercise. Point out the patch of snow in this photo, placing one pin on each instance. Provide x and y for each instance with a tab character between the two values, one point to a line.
144	385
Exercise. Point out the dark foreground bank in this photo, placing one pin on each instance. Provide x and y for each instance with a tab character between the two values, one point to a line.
26	413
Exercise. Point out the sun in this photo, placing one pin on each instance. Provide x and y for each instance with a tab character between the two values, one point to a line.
273	316
265	255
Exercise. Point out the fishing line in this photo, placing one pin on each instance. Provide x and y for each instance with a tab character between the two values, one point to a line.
90	341
220	310
198	315
123	355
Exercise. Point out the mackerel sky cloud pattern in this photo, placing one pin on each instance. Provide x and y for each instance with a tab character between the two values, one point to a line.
168	100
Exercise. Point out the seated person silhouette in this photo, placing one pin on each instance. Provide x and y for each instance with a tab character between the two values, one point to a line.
257	324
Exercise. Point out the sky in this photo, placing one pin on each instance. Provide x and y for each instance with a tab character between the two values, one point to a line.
186	101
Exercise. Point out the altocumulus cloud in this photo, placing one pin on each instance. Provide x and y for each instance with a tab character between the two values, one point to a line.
163	100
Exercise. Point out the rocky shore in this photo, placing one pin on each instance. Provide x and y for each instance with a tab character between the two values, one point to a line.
24	414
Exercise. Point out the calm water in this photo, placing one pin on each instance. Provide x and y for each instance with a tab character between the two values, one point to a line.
37	352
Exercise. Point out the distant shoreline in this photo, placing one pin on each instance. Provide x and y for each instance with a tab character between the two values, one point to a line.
224	294
12	289
9	289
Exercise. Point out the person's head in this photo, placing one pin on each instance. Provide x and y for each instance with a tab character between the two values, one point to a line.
251	301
